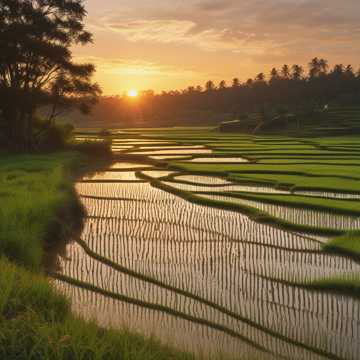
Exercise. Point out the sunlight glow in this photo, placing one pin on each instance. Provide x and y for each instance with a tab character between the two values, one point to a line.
133	93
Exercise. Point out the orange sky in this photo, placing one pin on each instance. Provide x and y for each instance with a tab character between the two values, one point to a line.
163	45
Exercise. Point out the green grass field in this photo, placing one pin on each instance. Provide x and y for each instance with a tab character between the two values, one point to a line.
39	206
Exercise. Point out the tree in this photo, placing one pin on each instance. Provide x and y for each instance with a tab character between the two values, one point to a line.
274	74
260	77
297	72
338	69
222	85
285	71
235	83
210	86
324	66
36	65
314	67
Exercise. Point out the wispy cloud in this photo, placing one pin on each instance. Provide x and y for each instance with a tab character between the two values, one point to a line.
158	39
136	68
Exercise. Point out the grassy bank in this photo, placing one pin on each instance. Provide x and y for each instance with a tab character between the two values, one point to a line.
40	207
36	323
36	194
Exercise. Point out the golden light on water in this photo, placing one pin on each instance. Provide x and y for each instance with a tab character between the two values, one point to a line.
133	93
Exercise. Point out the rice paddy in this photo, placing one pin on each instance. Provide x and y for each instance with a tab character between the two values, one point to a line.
222	255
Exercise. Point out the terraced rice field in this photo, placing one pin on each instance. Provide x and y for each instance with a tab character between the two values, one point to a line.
180	250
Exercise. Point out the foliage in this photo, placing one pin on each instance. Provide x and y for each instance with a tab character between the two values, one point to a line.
36	65
36	323
348	244
286	92
52	136
34	190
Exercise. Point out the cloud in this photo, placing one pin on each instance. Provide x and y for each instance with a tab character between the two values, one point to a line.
188	32
135	68
251	28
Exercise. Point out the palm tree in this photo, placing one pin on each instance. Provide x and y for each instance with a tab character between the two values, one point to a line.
235	83
274	74
260	77
338	69
210	86
222	85
324	66
285	71
250	81
314	67
297	72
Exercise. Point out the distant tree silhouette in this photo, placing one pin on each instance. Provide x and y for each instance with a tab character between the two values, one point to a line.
297	72
260	77
210	86
285	71
235	83
274	74
222	85
288	93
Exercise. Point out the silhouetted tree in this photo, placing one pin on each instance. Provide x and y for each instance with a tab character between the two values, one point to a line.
36	65
210	86
222	85
235	83
297	72
285	71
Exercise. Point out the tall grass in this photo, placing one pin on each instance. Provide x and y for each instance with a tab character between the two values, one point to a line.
34	191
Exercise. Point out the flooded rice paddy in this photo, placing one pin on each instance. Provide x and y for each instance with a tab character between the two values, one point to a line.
207	280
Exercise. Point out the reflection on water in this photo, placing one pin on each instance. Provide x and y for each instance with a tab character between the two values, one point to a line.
298	216
216	268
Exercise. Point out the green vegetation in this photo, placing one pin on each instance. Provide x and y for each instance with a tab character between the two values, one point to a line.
336	206
39	206
346	285
36	191
36	323
347	244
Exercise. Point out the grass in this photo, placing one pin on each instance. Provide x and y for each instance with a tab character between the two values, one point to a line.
36	323
35	191
39	205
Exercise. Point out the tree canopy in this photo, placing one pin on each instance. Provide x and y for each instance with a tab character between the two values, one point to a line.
36	65
291	89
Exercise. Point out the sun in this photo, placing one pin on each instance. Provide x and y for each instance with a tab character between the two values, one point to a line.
133	93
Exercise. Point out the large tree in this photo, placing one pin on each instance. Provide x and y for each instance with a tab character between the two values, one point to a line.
36	64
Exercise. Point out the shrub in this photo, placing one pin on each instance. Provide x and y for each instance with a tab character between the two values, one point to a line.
51	136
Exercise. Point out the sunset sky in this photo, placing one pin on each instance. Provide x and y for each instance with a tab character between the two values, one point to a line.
162	44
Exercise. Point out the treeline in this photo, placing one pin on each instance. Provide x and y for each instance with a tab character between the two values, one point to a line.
289	89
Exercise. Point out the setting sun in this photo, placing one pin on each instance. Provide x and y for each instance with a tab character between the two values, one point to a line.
133	93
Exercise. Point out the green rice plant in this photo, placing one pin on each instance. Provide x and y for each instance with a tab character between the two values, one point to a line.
348	244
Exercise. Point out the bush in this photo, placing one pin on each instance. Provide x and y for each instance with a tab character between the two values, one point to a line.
52	136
